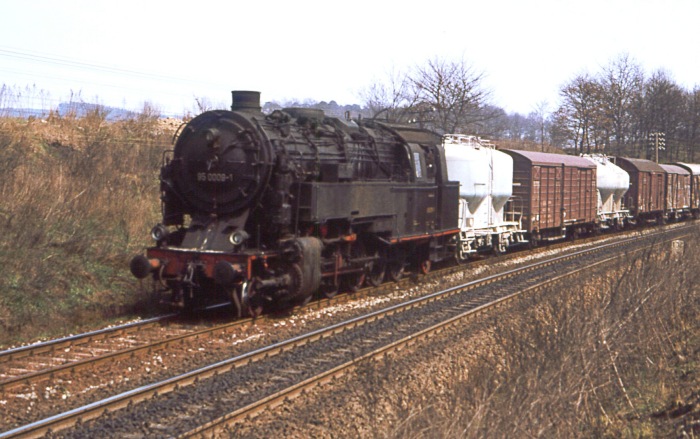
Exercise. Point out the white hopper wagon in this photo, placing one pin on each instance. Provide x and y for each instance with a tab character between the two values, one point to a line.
486	185
612	183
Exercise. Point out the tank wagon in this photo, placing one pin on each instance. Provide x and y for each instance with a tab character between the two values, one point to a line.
612	183
558	193
269	209
646	198
694	170
486	185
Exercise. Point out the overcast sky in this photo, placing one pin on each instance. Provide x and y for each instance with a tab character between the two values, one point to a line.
123	53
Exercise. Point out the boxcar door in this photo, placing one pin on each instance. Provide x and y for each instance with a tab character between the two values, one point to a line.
644	192
559	211
657	191
536	185
670	191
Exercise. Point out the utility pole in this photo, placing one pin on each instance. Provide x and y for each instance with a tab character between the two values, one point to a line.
657	140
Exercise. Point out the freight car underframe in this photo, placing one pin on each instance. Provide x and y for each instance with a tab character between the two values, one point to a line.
571	229
496	239
613	220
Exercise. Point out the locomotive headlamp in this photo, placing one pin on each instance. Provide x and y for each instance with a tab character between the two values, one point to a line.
238	237
159	232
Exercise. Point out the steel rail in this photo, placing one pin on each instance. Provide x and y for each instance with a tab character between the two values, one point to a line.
74	366
95	409
129	328
74	340
102	334
270	402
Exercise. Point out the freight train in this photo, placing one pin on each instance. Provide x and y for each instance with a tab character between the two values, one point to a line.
267	210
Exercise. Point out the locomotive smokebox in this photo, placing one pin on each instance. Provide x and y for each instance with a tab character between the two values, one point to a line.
245	100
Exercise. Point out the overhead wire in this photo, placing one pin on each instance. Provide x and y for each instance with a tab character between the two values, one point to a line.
57	60
118	74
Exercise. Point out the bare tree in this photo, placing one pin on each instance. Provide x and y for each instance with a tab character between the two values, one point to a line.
449	96
621	86
580	112
497	126
691	124
664	105
541	117
390	100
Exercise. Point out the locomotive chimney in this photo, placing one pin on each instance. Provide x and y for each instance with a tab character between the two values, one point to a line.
245	100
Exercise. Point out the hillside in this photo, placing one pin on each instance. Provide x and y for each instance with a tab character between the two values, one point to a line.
80	195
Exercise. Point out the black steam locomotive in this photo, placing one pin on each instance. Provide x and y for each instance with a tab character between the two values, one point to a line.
270	209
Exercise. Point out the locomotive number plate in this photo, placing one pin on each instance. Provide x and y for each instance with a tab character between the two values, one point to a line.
215	177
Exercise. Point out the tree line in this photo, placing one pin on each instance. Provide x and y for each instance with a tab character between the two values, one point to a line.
623	111
619	110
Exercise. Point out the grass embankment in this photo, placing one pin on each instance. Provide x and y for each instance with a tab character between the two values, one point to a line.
78	198
610	355
614	353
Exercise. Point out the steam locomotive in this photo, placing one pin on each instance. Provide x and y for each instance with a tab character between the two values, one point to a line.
269	209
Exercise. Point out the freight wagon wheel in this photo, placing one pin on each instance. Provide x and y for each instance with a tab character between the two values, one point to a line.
534	240
459	259
574	235
499	246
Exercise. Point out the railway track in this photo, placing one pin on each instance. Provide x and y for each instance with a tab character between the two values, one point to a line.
49	360
58	375
265	377
39	361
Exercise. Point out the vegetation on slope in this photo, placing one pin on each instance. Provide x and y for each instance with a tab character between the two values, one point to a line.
79	195
613	353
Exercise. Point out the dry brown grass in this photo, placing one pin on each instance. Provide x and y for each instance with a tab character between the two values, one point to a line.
615	358
612	354
79	195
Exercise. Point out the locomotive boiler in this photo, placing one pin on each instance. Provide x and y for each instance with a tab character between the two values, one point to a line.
268	209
